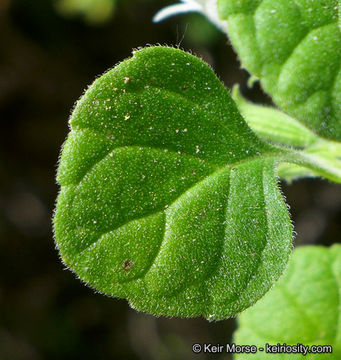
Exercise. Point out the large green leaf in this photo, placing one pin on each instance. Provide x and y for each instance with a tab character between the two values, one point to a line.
167	197
294	48
304	307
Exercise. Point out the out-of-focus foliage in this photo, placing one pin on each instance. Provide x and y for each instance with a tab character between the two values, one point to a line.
303	308
93	11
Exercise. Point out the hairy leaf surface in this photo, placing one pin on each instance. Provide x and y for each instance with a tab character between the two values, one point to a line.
304	307
294	48
167	197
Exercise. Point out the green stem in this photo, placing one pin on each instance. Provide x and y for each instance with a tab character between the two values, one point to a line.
323	166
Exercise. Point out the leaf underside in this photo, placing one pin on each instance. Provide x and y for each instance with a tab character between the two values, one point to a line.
294	48
304	307
167	197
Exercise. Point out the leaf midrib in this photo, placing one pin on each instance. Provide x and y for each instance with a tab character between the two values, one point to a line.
161	209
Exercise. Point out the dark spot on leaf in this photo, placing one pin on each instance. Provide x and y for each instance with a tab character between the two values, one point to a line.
110	136
127	265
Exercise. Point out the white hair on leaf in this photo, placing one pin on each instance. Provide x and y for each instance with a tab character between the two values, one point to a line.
205	7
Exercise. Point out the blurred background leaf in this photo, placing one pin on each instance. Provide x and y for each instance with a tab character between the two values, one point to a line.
93	11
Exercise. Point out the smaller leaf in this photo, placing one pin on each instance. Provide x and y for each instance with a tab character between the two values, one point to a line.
273	125
303	308
315	156
294	48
